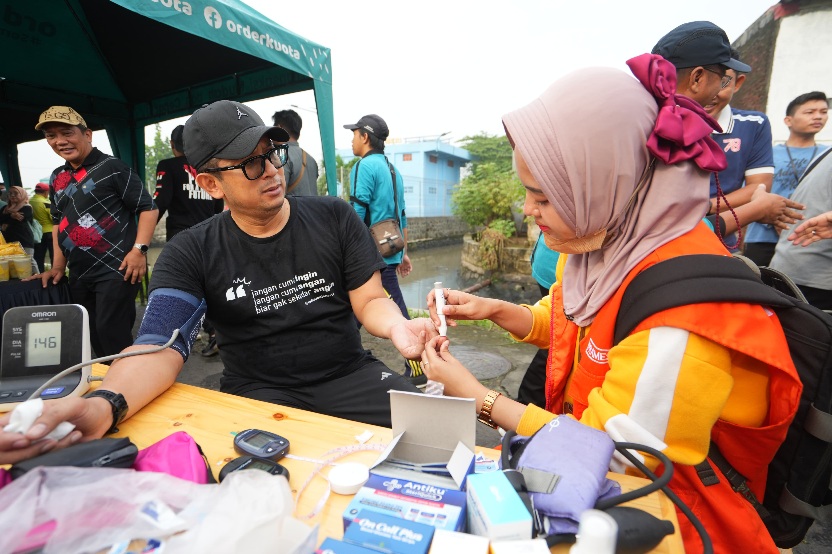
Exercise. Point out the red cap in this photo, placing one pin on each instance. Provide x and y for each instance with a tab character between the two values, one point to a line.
41	187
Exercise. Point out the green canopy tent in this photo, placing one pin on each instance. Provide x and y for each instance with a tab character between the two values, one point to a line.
126	64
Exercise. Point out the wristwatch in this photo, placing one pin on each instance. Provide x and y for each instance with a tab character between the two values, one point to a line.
118	403
487	405
142	248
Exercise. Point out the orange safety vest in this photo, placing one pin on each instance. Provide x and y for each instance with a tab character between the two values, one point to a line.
731	521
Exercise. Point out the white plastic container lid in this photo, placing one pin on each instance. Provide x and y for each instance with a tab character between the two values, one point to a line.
348	478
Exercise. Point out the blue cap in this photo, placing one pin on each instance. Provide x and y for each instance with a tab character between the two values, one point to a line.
698	43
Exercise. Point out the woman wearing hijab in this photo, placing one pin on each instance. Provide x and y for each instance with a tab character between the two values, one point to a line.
16	220
616	172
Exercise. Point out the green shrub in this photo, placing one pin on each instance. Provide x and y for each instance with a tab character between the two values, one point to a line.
486	196
503	226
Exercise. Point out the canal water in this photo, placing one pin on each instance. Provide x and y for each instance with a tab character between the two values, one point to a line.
441	263
444	263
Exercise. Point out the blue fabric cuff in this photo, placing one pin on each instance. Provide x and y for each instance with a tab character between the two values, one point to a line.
168	310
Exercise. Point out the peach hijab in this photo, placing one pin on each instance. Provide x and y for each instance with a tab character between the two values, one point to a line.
585	141
22	199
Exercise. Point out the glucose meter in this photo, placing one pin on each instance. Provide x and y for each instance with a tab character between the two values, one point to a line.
38	343
250	462
261	444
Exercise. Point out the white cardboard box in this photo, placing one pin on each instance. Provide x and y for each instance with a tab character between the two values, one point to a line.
430	430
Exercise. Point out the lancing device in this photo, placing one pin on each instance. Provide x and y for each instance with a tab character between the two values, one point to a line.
439	296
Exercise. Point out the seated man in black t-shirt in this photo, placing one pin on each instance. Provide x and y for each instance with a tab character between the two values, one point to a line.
280	278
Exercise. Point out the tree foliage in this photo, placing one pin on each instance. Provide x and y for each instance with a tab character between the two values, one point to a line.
486	195
153	154
489	149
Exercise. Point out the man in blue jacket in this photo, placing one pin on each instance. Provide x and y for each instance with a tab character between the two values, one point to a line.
372	196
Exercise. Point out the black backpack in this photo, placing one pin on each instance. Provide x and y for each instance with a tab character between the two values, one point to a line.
798	485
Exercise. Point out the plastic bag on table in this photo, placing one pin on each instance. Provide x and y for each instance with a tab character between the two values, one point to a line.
71	509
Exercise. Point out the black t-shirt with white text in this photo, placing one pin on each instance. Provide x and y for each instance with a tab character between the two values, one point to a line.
280	305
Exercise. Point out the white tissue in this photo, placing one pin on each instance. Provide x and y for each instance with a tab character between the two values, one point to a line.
24	416
435	388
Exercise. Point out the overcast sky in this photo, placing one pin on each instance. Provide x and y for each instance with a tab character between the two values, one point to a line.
453	66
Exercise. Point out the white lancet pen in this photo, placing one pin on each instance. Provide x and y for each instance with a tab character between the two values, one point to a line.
439	296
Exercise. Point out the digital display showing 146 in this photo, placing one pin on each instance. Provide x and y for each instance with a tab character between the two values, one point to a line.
43	343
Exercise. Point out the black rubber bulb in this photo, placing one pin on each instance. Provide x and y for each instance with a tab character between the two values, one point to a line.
638	531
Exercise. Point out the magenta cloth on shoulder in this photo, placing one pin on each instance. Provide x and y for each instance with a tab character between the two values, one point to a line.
683	128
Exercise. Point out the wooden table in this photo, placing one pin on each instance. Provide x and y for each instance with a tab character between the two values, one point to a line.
212	418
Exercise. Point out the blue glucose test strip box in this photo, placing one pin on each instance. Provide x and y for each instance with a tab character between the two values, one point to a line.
495	510
389	534
410	500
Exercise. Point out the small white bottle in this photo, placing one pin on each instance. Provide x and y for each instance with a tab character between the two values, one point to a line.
439	297
597	534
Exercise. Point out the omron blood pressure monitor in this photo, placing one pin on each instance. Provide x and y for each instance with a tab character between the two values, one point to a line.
38	343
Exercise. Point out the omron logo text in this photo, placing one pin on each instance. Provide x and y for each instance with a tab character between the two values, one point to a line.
44	314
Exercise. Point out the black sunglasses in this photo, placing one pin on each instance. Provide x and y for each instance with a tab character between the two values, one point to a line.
278	155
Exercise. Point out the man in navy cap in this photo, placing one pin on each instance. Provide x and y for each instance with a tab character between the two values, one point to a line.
709	71
701	53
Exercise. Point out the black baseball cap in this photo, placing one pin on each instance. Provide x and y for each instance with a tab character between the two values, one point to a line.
698	43
372	124
225	129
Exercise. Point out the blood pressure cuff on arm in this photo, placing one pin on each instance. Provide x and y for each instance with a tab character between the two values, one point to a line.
168	310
